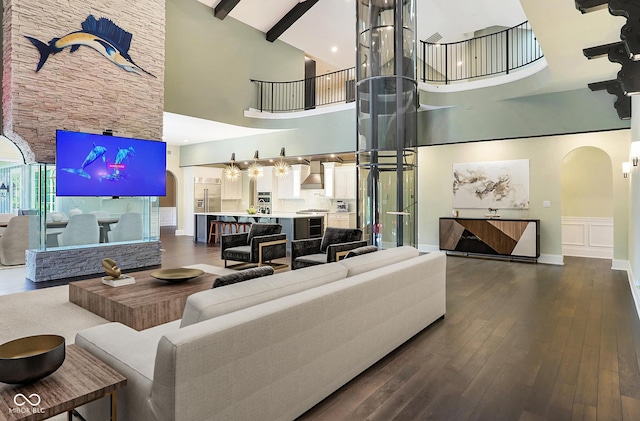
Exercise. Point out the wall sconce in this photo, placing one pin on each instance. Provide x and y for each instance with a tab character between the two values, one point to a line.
255	169
231	172
281	167
4	190
626	169
635	153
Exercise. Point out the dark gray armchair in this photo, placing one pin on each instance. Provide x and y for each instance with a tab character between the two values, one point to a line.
335	242
260	245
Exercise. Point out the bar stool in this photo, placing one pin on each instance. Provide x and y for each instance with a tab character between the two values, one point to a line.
243	224
227	222
214	231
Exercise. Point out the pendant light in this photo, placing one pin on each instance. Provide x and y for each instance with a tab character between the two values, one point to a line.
282	168
231	172
255	169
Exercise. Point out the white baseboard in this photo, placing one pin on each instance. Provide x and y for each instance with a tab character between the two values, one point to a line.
180	232
551	259
635	288
620	265
590	252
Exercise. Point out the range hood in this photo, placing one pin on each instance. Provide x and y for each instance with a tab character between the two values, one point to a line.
315	180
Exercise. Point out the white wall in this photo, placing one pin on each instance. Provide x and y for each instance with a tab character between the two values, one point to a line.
545	155
173	166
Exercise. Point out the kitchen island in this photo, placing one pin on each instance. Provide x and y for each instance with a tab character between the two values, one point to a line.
297	226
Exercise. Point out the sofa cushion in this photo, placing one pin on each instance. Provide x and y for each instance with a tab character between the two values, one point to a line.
360	251
367	262
242	275
215	302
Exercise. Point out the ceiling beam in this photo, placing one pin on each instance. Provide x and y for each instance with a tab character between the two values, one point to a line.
224	7
289	19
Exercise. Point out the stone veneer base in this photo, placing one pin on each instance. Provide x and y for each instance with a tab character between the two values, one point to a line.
47	265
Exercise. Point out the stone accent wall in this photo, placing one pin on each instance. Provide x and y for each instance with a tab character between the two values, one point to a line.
47	265
80	91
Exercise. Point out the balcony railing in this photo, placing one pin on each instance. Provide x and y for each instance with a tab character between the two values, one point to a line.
475	58
306	94
479	57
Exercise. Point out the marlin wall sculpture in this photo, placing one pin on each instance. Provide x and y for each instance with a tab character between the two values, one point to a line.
102	35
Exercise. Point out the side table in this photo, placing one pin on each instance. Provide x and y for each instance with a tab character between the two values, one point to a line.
81	379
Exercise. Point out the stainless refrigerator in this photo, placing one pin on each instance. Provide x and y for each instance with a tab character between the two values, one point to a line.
207	195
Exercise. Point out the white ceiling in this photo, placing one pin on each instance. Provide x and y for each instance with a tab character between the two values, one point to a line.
560	28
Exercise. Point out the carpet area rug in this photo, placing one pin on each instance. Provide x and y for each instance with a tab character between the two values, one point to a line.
44	311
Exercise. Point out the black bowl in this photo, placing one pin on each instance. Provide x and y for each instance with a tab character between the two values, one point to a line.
28	359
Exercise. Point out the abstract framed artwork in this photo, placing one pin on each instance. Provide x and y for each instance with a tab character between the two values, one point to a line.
493	184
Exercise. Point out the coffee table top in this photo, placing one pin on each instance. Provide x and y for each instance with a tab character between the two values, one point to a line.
82	378
147	303
146	289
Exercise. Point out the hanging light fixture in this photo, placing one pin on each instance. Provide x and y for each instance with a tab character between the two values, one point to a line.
255	169
282	168
231	171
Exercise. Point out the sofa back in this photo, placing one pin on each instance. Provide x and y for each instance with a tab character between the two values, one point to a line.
366	262
275	360
212	303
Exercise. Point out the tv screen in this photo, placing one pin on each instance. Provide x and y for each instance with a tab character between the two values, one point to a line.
98	165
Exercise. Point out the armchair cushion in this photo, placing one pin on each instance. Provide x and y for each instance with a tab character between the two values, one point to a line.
260	229
243	275
309	260
240	253
333	235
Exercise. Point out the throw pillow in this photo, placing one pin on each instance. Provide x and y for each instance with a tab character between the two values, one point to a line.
242	275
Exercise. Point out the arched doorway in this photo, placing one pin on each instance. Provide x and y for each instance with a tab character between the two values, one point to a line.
587	203
11	176
168	208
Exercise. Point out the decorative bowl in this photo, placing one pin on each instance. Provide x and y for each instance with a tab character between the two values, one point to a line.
31	358
176	275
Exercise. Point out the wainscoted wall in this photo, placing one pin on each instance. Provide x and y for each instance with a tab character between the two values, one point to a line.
82	90
587	237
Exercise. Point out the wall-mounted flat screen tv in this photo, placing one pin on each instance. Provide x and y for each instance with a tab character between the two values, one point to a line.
99	165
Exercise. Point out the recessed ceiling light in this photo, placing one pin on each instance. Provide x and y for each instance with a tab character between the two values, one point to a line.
186	140
459	63
334	49
271	160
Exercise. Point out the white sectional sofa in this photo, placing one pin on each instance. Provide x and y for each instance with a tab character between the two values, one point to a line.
273	347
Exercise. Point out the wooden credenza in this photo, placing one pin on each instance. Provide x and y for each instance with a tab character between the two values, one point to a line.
517	238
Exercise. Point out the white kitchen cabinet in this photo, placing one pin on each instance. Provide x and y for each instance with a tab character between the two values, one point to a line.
341	220
265	183
289	187
344	182
329	179
231	190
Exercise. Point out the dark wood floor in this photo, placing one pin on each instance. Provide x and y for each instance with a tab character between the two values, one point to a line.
520	341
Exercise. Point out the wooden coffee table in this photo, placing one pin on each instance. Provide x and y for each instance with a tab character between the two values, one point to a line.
81	379
147	303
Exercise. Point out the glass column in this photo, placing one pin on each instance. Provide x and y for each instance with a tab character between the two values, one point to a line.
387	103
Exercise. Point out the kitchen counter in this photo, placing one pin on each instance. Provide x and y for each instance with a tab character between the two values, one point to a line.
289	215
295	225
